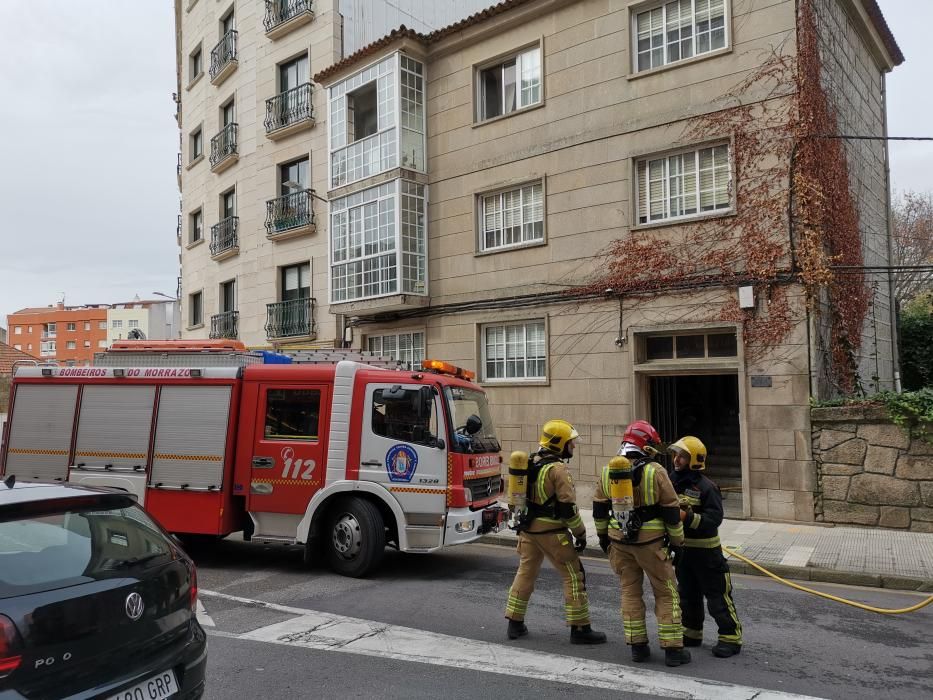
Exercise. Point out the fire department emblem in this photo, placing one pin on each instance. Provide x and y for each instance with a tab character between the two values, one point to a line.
401	462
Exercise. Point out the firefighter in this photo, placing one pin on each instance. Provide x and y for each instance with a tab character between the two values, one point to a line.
551	527
703	570
644	540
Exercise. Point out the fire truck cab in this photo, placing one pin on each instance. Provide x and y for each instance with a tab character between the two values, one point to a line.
343	457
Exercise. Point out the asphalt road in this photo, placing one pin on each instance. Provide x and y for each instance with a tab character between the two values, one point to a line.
432	627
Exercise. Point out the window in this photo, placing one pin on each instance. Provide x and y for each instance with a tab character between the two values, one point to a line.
71	345
30	329
510	85
194	65
228	296
102	343
515	351
133	323
367	253
18	347
87	325
195	317
293	73
18	330
71	327
407	348
227	23
50	330
678	30
197	145
405	414
293	177
196	226
513	217
228	113
683	185
117	323
362	118
47	348
292	414
228	204
296	282
696	345
102	325
87	343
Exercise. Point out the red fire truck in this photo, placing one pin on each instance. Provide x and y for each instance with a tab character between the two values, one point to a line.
343	457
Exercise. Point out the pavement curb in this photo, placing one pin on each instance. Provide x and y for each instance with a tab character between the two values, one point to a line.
799	573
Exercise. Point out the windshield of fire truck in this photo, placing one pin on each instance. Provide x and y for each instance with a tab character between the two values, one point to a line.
464	403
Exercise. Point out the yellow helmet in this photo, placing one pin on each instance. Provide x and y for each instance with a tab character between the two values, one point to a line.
694	448
556	434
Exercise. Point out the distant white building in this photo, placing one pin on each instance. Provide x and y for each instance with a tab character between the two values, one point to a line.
143	320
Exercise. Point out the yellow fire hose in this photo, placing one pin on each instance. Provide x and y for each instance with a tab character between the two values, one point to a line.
884	611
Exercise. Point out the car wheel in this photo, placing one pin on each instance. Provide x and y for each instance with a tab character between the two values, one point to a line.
356	537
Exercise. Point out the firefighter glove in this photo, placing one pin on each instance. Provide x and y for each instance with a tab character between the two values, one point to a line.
604	543
686	515
579	543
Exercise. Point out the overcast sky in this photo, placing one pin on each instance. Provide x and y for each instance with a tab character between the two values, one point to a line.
88	196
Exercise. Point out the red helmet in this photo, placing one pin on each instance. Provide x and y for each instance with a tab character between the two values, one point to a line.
641	433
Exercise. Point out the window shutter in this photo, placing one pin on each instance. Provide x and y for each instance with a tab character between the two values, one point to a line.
707	180
656	177
641	176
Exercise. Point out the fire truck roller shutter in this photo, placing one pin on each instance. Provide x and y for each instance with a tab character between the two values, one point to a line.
40	433
191	436
114	426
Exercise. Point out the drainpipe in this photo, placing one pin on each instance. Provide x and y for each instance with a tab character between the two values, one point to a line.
892	305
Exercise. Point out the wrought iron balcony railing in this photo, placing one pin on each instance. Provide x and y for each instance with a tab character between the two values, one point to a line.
289	107
280	11
224	53
290	212
224	235
224	144
288	319
224	325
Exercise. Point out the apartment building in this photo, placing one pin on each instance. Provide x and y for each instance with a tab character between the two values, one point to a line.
142	319
466	181
66	334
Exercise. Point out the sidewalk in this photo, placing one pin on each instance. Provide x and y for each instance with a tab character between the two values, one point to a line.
851	555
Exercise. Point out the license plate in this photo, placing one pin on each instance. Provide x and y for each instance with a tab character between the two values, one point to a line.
159	686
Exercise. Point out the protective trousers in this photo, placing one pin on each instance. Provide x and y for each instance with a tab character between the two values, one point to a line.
705	573
558	548
631	563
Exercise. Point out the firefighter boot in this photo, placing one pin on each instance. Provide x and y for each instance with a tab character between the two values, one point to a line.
692	641
640	652
517	629
724	649
584	634
674	656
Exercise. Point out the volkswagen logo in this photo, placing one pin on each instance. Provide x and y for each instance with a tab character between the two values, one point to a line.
134	606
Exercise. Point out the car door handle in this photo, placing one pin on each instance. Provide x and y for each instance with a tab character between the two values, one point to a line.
372	463
263	462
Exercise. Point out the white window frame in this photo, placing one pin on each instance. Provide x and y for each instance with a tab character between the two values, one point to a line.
132	323
71	327
101	325
665	33
71	345
505	359
18	330
117	323
377	343
668	176
527	60
483	202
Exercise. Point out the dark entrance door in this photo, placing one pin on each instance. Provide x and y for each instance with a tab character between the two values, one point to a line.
707	406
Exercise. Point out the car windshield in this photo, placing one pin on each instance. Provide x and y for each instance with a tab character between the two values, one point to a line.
463	404
45	551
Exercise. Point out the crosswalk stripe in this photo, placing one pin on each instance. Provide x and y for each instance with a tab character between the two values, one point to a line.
203	617
329	632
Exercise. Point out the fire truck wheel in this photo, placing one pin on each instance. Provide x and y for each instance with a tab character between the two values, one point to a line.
356	540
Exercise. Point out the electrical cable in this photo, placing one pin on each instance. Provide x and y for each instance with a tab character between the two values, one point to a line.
855	604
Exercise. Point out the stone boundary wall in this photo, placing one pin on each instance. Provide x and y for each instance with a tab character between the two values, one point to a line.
870	471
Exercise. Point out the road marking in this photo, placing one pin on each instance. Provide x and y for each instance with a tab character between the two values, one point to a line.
798	555
203	617
349	635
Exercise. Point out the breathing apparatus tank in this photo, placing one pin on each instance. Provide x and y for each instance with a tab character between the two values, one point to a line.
518	482
620	491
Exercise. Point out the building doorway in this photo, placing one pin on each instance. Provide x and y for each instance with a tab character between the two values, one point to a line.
707	406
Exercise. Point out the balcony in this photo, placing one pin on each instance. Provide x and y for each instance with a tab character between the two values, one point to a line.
289	112
293	320
224	149
223	58
224	241
224	325
178	231
282	16
289	216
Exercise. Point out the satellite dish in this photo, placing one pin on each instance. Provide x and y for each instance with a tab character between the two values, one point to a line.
135	334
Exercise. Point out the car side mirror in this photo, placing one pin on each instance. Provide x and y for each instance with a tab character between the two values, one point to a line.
440	444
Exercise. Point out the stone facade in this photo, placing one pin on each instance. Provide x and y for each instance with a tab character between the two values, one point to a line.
870	471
